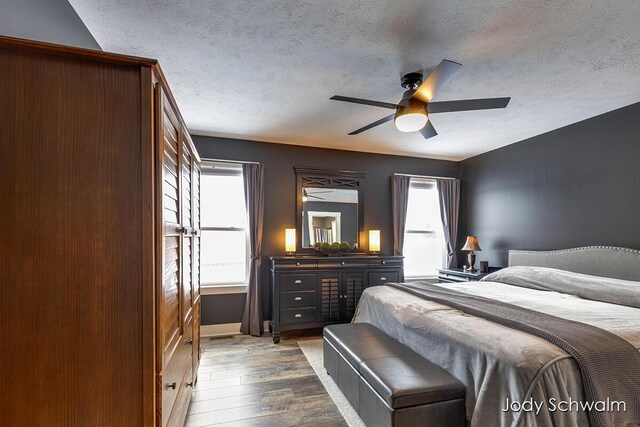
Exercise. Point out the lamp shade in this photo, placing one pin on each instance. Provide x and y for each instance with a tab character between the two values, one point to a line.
471	244
290	240
374	240
411	117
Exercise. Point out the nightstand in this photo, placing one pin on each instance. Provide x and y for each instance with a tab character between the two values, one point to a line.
456	275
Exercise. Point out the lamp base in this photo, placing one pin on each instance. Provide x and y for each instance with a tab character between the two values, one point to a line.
472	260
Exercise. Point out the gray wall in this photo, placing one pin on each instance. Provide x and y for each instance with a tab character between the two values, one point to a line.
578	185
52	21
280	183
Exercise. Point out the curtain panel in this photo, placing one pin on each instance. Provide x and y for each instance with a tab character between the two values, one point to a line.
399	202
449	194
253	175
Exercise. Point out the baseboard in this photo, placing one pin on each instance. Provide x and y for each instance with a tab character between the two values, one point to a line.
223	330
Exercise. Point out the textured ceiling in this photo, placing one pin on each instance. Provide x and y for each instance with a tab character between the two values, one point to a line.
265	69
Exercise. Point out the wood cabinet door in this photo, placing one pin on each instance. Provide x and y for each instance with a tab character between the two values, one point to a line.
195	185
352	287
330	297
186	177
169	298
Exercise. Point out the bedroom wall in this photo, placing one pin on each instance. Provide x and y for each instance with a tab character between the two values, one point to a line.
52	21
280	184
574	186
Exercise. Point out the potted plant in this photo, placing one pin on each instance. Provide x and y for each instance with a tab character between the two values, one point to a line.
334	249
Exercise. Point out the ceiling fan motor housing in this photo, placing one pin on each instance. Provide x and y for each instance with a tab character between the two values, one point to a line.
411	81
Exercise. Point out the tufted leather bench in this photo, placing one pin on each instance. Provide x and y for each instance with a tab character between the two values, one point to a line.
389	384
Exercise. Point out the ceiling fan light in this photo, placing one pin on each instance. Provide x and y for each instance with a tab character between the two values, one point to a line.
411	122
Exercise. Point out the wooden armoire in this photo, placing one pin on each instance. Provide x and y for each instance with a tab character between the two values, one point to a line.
99	241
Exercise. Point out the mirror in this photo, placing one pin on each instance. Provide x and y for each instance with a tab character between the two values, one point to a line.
329	207
329	215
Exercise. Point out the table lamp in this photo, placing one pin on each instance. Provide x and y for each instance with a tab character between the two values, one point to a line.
471	245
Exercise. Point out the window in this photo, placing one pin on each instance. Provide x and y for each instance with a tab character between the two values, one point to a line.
225	246
423	239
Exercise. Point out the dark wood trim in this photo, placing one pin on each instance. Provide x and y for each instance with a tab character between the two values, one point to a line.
328	172
148	227
303	173
7	42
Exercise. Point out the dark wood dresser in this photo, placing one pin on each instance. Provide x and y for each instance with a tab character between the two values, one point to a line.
312	291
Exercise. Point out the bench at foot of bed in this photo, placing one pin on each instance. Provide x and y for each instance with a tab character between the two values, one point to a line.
387	383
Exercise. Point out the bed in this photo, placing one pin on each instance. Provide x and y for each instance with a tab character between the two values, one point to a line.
503	368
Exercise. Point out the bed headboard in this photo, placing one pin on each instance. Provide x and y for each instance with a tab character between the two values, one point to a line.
603	261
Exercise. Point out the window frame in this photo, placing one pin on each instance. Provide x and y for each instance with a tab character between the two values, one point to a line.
225	168
417	182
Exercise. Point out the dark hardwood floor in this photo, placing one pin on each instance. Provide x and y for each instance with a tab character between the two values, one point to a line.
249	381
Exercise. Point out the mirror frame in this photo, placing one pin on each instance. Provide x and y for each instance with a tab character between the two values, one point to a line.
327	178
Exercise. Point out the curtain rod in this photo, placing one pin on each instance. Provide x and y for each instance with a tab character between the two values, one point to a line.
207	159
424	176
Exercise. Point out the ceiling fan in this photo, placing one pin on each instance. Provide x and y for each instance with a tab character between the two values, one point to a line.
413	110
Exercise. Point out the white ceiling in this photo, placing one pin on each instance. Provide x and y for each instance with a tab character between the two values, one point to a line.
265	69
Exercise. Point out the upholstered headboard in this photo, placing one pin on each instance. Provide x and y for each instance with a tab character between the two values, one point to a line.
603	261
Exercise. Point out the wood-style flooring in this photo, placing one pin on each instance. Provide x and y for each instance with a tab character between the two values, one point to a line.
249	381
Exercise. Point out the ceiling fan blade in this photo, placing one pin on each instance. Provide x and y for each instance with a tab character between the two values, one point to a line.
364	101
467	105
428	131
436	80
372	125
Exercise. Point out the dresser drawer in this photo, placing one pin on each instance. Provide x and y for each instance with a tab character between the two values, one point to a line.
342	263
298	299
295	264
296	282
448	277
382	277
389	262
298	315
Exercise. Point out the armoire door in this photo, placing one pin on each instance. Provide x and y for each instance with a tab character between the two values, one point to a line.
186	168
195	197
175	340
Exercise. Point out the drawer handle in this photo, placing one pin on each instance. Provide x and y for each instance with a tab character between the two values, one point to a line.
383	278
298	263
297	282
190	384
297	299
343	263
298	315
172	385
190	342
384	262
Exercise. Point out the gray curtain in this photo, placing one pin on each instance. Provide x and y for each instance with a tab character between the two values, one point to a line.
399	201
449	193
254	196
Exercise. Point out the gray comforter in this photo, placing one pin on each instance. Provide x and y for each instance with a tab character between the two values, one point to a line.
500	365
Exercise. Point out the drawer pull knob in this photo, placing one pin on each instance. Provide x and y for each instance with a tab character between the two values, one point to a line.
298	315
297	299
297	282
190	342
190	384
383	278
172	385
298	263
343	263
384	262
